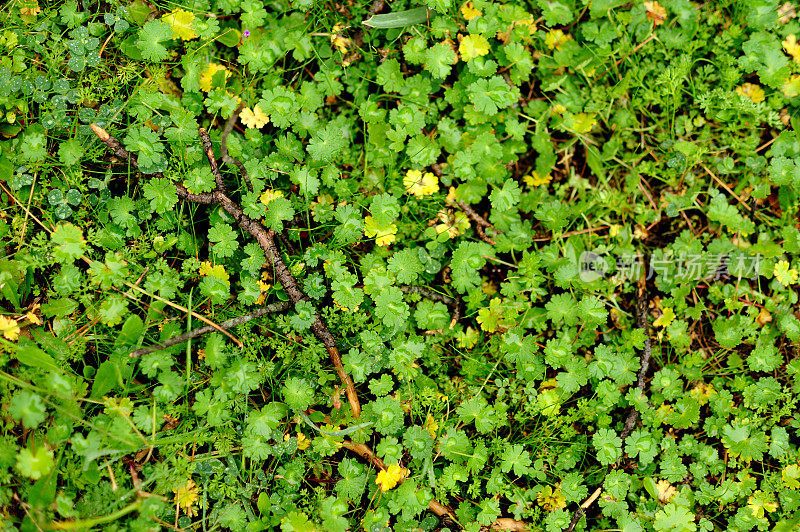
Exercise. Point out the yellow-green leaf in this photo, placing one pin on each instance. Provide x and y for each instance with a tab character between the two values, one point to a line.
666	318
473	46
180	21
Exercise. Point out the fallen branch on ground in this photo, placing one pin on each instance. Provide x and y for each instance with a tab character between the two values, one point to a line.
265	239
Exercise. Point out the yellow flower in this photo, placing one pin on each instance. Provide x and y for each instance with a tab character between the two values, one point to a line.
420	184
792	47
205	78
559	109
33	318
391	477
785	275
535	180
262	288
186	497
254	118
469	11
655	12
302	441
9	327
752	91
269	195
383	235
555	39
455	223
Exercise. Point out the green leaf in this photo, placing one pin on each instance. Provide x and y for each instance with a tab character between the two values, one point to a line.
390	307
515	458
36	464
503	199
70	152
608	446
397	19
69	243
298	393
491	95
151	37
557	12
112	309
28	408
304	317
30	355
161	193
144	142
224	238
439	60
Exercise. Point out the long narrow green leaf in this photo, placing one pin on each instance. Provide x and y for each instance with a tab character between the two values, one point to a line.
398	19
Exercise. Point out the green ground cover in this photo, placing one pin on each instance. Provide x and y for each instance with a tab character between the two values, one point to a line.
525	265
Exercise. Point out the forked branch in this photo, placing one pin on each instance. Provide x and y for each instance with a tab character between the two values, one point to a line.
265	239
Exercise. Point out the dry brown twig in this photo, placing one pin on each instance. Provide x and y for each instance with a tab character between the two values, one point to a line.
200	331
480	222
644	364
227	159
265	239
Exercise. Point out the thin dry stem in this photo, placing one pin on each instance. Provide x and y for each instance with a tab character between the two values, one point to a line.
480	222
227	159
200	331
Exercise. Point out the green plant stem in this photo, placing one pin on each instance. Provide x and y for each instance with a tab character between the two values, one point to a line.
95	521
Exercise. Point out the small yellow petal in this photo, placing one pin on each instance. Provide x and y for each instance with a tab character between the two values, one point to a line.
535	180
254	118
420	184
10	328
218	271
391	477
268	195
